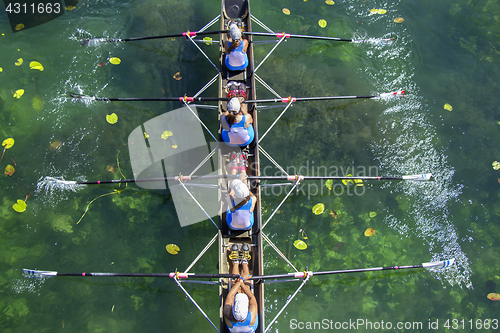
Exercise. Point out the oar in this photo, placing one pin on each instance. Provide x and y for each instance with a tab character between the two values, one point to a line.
336	39
424	176
213	99
96	41
71	184
298	99
48	274
149	99
430	265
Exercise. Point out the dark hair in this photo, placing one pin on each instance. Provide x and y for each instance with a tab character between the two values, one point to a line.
241	204
231	118
234	44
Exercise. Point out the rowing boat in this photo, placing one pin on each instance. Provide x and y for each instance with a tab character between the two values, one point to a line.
238	11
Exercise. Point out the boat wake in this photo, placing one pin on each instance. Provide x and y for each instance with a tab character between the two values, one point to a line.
410	145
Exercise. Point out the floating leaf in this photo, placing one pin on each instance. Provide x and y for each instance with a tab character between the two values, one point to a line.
55	145
1	69
112	118
330	2
318	209
496	165
373	214
9	170
111	168
399	20
322	23
286	11
19	93
369	232
174	146
166	134
36	65
172	249
19	26
346	181
115	60
333	214
177	76
145	135
208	40
20	206
494	296
378	11
8	143
37	103
329	184
358	182
70	7
19	62
300	244
448	107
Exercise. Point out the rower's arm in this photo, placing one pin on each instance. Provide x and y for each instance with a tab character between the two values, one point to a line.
224	123
254	201
228	305
250	295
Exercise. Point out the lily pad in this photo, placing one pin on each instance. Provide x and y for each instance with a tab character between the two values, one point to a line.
9	170
172	249
318	209
19	62
448	107
322	23
300	244
496	165
494	296
115	60
286	11
208	40
36	65
112	118
369	232
166	134
8	143
19	206
19	93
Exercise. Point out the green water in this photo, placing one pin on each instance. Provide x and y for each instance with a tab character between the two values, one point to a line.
442	53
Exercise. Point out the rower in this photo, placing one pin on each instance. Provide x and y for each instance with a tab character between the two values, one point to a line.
240	308
237	128
236	54
242	204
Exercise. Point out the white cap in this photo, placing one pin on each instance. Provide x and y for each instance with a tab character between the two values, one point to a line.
240	189
234	31
233	105
240	307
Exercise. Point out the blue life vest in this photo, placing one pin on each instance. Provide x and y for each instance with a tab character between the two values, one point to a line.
237	60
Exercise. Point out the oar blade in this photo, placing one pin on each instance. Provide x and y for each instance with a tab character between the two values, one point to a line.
424	176
438	264
39	274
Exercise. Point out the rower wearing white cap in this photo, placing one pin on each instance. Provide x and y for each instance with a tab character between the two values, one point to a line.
236	55
240	211
237	128
240	308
